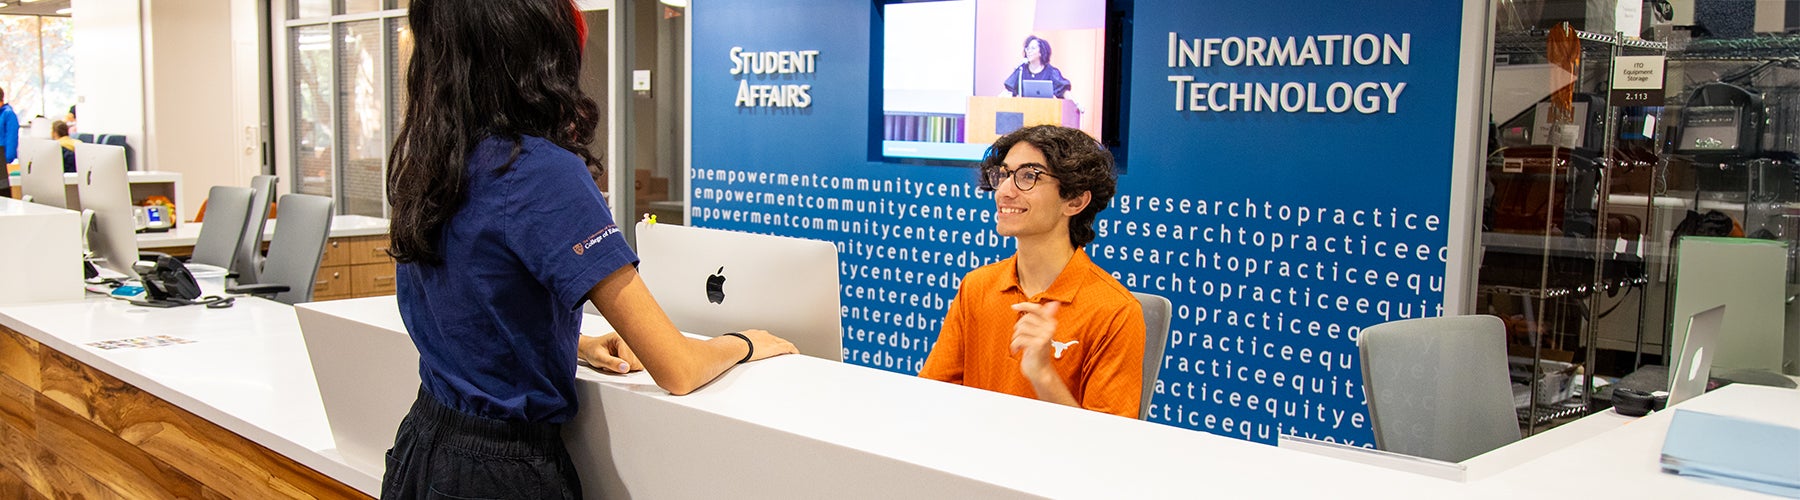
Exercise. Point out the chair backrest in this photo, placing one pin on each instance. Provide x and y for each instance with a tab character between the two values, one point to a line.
120	141
1156	335
1438	387
220	235
298	245
247	264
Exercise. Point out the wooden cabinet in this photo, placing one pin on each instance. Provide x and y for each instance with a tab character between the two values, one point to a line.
355	266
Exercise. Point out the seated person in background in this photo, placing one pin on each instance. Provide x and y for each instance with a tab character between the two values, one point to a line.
1046	323
1036	66
60	132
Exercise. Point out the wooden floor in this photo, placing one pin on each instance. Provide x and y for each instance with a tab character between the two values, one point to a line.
70	431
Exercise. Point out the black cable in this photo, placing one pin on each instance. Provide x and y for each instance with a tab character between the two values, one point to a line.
216	302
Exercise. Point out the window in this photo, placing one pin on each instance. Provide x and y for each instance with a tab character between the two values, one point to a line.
362	81
344	67
312	87
36	69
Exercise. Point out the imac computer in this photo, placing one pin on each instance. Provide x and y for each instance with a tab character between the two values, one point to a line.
104	191
42	178
711	281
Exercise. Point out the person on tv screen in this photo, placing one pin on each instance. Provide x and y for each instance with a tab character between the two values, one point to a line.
501	235
1046	323
1036	66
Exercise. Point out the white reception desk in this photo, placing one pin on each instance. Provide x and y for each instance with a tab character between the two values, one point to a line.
798	427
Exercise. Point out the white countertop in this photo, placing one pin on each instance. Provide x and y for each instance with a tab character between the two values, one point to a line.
888	435
185	234
796	426
1602	465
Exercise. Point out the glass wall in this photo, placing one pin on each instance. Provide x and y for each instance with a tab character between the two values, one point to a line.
1616	210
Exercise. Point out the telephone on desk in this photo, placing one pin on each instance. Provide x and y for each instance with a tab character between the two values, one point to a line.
153	219
165	282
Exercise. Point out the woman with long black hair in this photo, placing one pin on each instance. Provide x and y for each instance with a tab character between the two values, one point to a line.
501	233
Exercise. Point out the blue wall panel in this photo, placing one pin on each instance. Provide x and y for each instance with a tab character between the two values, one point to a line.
1277	233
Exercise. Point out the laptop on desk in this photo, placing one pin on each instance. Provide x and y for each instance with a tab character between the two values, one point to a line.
1687	378
1036	88
712	281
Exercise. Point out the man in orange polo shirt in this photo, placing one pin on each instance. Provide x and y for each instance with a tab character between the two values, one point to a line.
1046	323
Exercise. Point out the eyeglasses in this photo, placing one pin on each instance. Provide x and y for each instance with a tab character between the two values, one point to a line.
1025	177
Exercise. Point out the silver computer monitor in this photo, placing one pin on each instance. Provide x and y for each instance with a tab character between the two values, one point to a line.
104	190
1687	378
712	281
42	172
40	128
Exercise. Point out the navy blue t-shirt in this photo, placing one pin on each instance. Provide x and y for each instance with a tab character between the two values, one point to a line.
496	324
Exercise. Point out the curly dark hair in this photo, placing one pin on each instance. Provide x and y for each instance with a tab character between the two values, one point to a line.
480	69
1043	48
1077	161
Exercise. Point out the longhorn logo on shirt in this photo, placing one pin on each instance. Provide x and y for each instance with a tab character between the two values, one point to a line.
1060	346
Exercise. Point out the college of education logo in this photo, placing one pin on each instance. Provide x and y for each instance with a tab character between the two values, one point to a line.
596	238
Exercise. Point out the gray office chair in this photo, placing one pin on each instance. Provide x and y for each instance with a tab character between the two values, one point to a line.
247	262
1156	335
227	207
1438	387
292	267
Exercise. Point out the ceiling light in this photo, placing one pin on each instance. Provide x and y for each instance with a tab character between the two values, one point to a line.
65	10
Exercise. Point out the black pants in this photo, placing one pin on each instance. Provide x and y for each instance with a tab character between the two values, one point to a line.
443	453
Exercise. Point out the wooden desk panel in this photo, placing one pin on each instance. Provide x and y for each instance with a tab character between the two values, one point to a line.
69	430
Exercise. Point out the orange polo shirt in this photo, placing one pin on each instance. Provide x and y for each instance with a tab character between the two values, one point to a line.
1102	322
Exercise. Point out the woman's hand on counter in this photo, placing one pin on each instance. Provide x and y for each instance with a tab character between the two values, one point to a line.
608	352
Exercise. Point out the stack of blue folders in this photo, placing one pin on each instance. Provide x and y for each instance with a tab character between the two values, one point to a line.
1734	452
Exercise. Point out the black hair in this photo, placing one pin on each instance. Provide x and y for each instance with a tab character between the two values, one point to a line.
1043	48
71	110
480	69
1077	161
2	95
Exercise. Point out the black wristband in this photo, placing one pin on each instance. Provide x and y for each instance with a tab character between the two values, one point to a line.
747	343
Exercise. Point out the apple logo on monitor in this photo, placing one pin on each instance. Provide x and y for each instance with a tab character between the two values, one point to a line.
715	287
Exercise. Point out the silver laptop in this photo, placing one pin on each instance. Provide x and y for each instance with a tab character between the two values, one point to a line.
712	281
368	378
1037	88
1687	378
